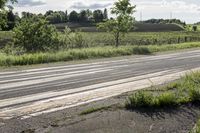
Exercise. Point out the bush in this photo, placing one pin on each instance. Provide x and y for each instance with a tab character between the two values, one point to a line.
35	35
140	99
195	94
69	39
183	91
167	99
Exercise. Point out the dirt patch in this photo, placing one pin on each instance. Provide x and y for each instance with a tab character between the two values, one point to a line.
112	120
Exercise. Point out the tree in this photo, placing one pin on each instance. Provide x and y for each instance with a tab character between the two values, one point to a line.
83	16
66	16
73	16
35	35
3	2
98	16
3	13
105	14
123	22
194	28
50	12
11	20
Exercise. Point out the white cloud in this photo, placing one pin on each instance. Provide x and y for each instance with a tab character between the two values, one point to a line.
184	9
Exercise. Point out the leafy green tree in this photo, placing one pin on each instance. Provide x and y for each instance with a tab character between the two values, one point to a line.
3	13
55	18
73	16
98	16
3	2
194	28
50	12
83	16
123	22
35	35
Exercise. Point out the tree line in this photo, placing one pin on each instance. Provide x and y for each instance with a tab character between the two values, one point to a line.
53	17
165	21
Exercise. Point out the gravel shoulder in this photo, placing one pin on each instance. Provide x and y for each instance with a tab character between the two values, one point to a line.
115	119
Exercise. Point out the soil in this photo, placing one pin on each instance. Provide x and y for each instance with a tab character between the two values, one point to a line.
113	120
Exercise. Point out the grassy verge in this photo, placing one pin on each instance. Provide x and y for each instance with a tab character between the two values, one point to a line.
196	129
89	53
185	90
92	110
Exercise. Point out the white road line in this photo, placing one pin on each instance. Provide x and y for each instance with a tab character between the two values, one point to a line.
99	63
38	81
55	104
59	74
50	71
46	95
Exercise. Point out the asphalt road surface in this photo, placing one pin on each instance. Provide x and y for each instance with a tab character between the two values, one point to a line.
27	93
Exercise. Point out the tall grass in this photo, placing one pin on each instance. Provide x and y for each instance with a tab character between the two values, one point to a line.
196	129
88	53
185	90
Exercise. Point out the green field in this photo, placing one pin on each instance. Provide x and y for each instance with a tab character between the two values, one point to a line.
142	38
93	39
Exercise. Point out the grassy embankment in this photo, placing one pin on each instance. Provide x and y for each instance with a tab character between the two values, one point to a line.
196	129
184	91
89	53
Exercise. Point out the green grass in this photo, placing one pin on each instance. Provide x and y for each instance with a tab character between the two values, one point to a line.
99	39
185	90
196	129
92	110
5	37
142	38
89	53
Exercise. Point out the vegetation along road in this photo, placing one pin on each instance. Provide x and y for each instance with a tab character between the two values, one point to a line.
32	92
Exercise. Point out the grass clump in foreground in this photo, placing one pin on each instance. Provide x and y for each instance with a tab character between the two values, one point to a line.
92	110
88	53
196	129
185	90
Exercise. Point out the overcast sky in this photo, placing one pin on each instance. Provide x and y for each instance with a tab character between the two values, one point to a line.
186	10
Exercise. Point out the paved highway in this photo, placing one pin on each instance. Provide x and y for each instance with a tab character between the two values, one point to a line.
27	93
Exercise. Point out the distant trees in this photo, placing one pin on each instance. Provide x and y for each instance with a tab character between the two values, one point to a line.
73	17
3	2
4	13
165	21
56	17
123	22
105	14
83	17
98	16
194	28
8	19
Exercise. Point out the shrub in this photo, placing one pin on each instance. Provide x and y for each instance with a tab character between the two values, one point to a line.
68	39
183	91
140	99
166	99
194	94
35	35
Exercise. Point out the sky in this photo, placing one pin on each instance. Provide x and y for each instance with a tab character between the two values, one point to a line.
186	10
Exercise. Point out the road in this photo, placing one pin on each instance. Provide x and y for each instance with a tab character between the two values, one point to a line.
31	92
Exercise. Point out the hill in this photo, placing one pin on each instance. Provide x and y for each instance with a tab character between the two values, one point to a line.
139	27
